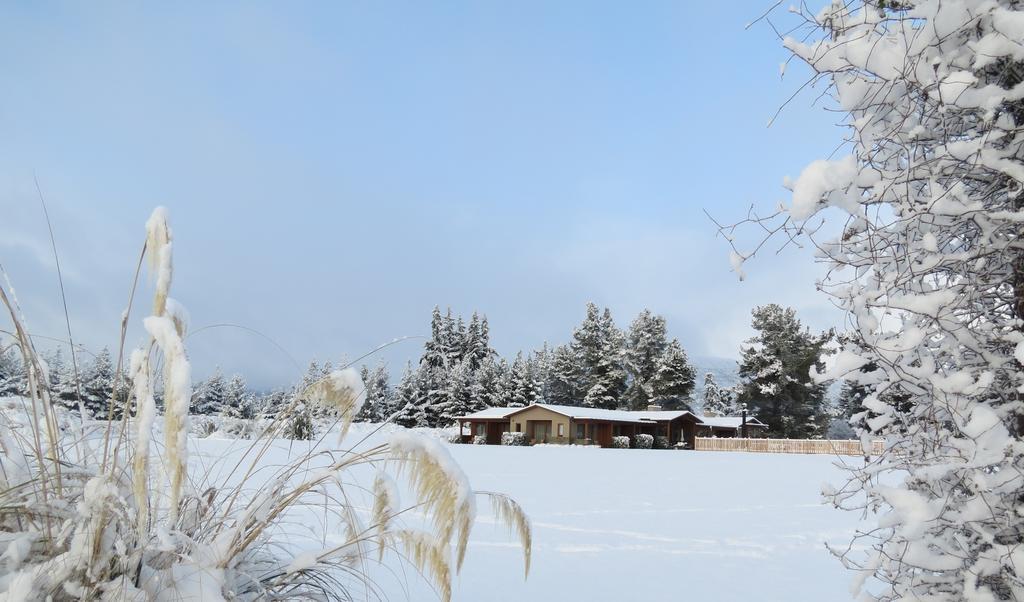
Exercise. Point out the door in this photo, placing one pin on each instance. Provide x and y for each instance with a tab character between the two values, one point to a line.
541	431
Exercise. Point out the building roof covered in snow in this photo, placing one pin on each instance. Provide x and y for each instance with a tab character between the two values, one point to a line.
733	422
491	413
581	413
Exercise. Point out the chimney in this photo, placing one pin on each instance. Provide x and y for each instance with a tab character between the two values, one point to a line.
743	425
654	408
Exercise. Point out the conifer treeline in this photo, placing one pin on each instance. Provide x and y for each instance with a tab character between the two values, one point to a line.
601	366
459	372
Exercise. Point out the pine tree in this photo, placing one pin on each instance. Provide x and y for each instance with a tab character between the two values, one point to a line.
717	401
98	385
486	381
598	347
236	402
11	374
457	399
272	404
673	379
525	389
540	364
409	400
476	344
565	378
606	378
379	401
646	343
506	389
775	373
54	368
210	395
63	389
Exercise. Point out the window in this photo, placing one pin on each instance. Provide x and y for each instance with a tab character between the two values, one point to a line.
581	431
519	427
481	429
561	429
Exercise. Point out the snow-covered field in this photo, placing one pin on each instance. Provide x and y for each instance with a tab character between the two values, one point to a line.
637	524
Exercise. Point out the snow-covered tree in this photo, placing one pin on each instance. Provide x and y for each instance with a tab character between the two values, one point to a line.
270	405
437	349
598	345
717	400
98	385
63	386
646	342
210	395
673	379
379	401
11	374
487	383
476	342
775	374
458	395
505	388
237	403
524	382
929	266
409	400
540	364
565	377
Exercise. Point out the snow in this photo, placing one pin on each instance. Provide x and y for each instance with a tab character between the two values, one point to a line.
576	412
620	524
492	413
736	261
729	421
816	180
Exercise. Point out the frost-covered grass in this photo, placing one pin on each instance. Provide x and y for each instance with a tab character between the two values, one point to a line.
651	525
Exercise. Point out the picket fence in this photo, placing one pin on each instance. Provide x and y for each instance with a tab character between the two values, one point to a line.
843	447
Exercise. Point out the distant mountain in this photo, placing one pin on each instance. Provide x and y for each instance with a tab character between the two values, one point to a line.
724	370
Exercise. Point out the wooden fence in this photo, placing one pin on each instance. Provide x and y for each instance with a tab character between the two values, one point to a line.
843	447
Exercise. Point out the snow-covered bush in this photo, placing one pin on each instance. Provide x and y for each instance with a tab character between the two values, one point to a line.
928	262
299	425
643	441
240	428
620	442
108	517
480	440
508	438
661	442
203	426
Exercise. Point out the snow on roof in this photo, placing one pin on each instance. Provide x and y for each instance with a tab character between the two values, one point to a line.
733	422
491	413
581	413
578	413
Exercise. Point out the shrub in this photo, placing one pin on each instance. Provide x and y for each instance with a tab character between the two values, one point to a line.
621	442
513	439
299	426
480	440
661	442
202	426
643	441
241	428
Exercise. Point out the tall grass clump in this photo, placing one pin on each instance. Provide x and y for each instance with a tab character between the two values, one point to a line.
112	510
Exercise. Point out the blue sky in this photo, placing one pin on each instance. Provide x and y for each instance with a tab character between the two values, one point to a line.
334	170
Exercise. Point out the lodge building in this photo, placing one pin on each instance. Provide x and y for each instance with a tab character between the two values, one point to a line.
546	423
